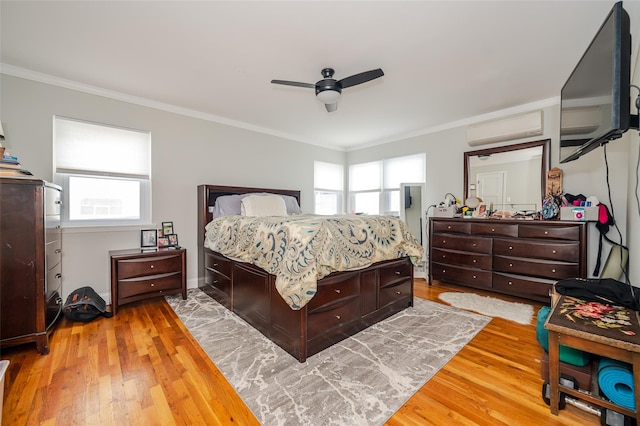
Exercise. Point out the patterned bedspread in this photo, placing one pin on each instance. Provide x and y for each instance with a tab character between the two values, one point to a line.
301	249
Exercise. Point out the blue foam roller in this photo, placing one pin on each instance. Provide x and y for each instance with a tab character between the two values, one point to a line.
615	380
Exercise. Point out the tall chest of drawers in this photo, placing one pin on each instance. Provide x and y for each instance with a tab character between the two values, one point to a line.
519	258
30	261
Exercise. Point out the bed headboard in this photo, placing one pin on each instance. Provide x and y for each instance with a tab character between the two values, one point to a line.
207	196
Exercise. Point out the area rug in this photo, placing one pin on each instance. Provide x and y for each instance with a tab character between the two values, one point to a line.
362	380
491	306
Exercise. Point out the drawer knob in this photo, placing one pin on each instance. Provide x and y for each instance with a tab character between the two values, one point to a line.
444	256
398	293
493	229
58	202
152	284
474	244
337	290
474	261
397	272
553	270
58	251
444	271
215	264
510	283
510	247
337	316
215	281
449	227
58	275
444	241
510	265
474	277
151	266
546	232
553	251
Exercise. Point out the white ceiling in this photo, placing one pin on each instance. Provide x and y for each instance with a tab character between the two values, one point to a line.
444	62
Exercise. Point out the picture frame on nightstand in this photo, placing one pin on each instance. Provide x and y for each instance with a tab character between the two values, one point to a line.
167	228
173	240
148	238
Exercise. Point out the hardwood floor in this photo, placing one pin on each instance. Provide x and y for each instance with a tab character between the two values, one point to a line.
143	367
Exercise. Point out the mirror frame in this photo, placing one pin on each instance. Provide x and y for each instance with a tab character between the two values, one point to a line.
545	163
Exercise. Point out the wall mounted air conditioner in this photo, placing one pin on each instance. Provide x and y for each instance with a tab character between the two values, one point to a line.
505	129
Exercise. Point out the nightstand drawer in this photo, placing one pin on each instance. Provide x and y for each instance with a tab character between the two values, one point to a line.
154	284
130	268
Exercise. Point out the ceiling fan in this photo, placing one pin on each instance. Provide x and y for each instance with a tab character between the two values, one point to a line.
328	89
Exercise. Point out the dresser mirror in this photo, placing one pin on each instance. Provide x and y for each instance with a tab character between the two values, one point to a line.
509	177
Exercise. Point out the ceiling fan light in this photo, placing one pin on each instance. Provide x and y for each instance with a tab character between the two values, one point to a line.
328	96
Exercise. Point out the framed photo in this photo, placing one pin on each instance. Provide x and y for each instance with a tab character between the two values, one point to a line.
160	234
163	242
483	210
173	240
167	228
148	238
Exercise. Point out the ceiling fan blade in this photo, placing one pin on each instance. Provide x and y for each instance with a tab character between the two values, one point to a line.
331	107
294	83
363	77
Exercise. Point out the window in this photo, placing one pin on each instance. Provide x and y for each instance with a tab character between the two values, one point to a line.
374	188
328	187
104	171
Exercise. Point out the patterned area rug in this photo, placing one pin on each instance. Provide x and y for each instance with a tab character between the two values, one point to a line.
517	312
362	380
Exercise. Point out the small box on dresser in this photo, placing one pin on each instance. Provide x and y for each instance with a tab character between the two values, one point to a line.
139	274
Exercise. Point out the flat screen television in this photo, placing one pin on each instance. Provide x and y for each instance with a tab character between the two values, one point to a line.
595	100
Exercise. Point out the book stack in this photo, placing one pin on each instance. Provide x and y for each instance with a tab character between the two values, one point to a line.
10	166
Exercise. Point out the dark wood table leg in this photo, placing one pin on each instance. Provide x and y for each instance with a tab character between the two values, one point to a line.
554	371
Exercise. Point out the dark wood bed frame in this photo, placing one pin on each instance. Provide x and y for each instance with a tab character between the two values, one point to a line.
345	302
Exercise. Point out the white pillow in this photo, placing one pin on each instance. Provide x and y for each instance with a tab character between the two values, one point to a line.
263	205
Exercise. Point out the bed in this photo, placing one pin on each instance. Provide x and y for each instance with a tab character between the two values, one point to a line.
301	304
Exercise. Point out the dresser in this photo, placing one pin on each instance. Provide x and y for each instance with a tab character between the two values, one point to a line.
142	274
30	261
521	258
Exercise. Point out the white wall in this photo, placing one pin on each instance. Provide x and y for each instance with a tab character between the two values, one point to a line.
186	152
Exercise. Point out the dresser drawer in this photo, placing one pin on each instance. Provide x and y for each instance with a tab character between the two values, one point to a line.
536	267
457	242
495	229
518	285
149	284
217	280
564	251
556	232
474	260
53	253
452	227
464	276
129	268
335	291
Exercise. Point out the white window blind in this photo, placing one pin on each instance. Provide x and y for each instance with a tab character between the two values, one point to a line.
328	187
98	149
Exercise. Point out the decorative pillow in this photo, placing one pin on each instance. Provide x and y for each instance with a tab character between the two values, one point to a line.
263	205
227	205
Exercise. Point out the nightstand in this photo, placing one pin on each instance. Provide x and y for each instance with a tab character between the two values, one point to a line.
139	274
